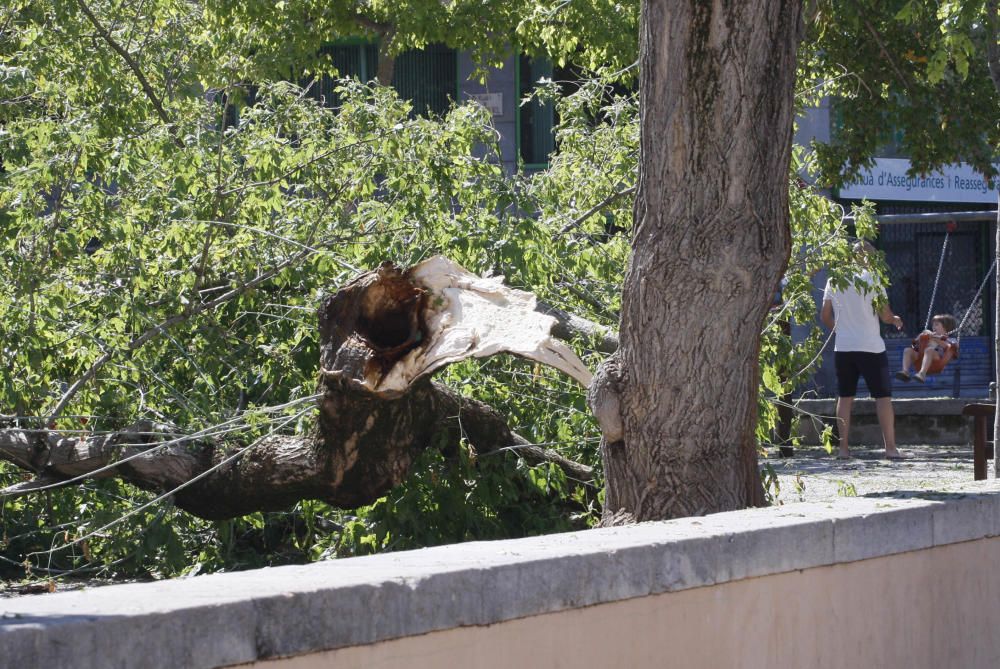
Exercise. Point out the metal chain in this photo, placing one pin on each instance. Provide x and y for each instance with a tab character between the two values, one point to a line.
930	307
958	330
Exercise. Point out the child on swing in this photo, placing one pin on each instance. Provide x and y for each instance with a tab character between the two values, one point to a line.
931	350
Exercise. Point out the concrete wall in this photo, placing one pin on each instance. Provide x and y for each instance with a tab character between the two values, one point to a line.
850	582
936	421
929	608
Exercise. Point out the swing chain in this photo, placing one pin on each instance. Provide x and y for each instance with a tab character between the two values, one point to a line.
930	306
958	331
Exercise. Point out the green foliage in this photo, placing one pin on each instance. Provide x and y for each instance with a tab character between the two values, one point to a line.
167	213
907	71
263	39
771	482
846	489
189	235
468	497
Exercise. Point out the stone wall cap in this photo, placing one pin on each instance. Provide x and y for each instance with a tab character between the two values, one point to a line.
224	619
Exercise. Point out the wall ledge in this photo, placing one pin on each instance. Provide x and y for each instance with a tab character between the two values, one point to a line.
225	619
921	406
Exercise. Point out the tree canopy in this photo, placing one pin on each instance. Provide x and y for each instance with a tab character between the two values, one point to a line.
925	75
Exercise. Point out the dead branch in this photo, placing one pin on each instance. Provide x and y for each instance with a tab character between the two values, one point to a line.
570	327
382	336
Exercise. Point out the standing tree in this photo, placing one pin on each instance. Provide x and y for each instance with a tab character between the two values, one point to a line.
677	403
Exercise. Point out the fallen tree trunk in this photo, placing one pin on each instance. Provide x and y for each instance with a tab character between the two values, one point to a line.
382	336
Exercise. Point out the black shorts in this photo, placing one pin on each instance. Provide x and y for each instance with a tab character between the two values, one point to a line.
873	366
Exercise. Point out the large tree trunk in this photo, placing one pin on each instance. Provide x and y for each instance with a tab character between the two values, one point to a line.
711	242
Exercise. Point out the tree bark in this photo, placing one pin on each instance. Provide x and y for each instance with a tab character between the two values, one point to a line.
386	61
711	242
364	445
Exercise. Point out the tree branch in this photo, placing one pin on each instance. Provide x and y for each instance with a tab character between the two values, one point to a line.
570	326
301	166
993	41
596	208
885	54
154	331
352	461
136	70
537	454
377	409
371	24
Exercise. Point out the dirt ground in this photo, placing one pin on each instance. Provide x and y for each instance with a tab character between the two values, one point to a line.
813	475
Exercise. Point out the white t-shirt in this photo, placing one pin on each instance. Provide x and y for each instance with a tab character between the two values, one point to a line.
857	326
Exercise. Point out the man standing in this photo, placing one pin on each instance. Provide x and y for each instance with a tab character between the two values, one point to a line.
860	351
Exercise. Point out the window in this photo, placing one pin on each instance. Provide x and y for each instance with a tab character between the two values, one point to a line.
535	119
427	77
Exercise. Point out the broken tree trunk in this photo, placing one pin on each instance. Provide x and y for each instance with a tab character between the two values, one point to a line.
382	336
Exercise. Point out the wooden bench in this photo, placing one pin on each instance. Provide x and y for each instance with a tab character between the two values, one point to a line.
981	447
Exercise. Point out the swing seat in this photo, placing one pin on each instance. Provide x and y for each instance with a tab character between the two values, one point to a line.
968	376
922	342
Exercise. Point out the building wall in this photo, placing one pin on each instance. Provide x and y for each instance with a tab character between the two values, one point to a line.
934	421
923	609
500	88
813	123
888	581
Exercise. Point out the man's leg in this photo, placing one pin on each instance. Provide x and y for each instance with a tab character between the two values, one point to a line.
876	373
844	405
887	421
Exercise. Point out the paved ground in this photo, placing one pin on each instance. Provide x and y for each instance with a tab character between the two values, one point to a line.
813	475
